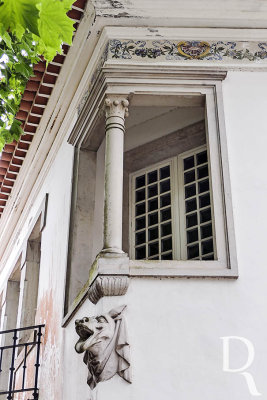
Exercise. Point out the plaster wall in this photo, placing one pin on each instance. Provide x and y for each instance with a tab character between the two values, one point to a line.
54	242
175	325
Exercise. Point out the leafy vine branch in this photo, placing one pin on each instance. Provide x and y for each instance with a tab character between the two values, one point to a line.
28	29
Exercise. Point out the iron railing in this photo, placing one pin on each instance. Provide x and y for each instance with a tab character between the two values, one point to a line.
11	352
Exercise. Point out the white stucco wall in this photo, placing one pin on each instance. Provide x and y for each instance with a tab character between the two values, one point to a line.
174	325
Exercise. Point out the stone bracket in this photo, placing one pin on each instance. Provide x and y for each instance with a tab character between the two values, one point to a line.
109	276
108	285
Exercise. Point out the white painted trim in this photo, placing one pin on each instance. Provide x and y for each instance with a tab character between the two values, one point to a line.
161	33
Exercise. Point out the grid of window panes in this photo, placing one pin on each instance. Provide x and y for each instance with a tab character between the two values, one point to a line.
153	226
198	212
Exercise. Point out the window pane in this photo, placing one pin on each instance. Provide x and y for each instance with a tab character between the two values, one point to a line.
206	231
192	251
192	236
140	209
204	200
202	157
167	256
207	246
152	204
152	176
202	172
140	253
165	186
165	200
191	220
203	186
152	219
153	248
209	257
166	244
165	172
140	195
140	223
166	229
190	205
205	215
165	214
190	191
152	190
189	163
140	237
189	177
153	233
140	181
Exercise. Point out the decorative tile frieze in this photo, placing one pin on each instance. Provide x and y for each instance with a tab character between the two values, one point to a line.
166	50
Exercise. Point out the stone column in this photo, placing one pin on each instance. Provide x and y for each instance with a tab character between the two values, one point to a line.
116	109
110	272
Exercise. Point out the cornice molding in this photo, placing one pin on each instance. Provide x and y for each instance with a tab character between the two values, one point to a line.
126	80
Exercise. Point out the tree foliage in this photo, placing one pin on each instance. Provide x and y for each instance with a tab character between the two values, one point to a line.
28	29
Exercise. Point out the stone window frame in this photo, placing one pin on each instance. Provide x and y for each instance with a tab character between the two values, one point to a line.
143	85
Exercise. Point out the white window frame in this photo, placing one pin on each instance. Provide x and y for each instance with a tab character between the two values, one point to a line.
181	157
177	204
175	215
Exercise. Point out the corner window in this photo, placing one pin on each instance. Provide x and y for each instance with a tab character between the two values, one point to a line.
172	212
177	218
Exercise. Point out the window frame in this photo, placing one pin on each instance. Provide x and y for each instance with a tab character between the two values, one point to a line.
175	219
181	200
154	85
177	205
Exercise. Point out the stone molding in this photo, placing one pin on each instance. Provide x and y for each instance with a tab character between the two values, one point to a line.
109	285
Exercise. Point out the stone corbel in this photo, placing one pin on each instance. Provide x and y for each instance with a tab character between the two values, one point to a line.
109	285
109	276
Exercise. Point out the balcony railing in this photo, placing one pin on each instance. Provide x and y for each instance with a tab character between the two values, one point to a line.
16	349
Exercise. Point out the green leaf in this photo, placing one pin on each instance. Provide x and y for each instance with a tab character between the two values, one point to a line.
7	39
55	26
2	142
16	130
19	15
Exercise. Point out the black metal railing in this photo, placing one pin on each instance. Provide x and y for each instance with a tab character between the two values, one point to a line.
10	352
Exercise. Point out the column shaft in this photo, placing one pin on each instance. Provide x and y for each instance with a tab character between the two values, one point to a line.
115	112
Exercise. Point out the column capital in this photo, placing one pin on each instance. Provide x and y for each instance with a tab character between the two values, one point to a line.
116	107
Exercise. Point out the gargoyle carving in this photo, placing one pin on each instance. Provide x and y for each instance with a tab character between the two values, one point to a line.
103	339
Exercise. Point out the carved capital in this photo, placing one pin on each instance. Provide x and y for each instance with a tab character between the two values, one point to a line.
108	285
116	107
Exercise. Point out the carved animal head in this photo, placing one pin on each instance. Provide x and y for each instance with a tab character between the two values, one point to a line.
103	340
96	332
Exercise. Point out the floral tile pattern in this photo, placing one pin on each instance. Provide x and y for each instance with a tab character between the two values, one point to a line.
165	50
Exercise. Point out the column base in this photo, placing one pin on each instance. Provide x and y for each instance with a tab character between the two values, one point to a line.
112	252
